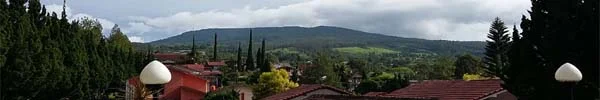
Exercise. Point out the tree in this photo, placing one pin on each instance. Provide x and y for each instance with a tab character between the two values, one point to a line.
226	94
262	61
44	57
322	73
215	49
558	31
496	49
249	59
273	82
466	64
239	58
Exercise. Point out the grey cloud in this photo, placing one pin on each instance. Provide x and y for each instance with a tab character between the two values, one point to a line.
429	19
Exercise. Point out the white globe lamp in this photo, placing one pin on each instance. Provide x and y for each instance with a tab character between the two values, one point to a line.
568	73
154	75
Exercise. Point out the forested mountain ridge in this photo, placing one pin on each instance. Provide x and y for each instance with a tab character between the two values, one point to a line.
322	37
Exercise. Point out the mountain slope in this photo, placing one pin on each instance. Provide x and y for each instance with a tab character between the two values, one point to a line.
322	37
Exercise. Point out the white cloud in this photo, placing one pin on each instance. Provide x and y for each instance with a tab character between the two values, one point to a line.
429	19
136	39
136	28
106	24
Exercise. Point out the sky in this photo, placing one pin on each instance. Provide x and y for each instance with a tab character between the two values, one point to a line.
150	20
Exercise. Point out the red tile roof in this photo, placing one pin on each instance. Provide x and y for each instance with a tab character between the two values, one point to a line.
301	90
351	97
374	93
450	89
170	56
195	67
216	63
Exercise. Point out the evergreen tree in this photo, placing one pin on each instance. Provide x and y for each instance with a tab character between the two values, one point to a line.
239	58
259	59
249	59
559	31
215	49
496	49
515	34
44	57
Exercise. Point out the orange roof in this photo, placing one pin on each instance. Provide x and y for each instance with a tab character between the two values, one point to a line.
374	93
450	89
170	56
302	90
216	63
195	67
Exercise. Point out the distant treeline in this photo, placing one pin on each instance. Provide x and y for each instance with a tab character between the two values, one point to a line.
43	56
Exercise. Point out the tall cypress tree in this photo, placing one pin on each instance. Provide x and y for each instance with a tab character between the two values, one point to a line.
249	59
265	65
259	59
239	58
515	34
496	49
215	49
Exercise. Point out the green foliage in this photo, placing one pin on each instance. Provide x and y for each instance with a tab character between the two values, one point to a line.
368	50
44	57
322	73
496	59
326	38
467	64
249	59
225	94
440	68
557	32
382	82
273	82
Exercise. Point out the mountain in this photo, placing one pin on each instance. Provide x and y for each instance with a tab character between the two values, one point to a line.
322	37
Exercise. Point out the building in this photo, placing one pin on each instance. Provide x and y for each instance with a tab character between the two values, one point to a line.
188	82
185	86
306	90
171	58
452	90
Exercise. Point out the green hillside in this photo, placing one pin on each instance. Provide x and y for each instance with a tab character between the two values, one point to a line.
322	38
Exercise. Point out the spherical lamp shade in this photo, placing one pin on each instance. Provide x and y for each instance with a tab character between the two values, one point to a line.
568	73
155	73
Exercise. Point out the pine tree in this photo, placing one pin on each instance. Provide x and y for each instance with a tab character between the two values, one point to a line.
558	31
515	34
249	59
496	49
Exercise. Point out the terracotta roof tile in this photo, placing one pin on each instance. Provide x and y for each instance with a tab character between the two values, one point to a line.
450	89
216	63
374	93
195	67
301	90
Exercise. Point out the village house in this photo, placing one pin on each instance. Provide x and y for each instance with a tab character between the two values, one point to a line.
452	90
305	90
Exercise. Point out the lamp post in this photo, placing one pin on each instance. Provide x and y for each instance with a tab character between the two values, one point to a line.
568	73
153	76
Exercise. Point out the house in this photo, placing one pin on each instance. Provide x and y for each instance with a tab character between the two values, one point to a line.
184	86
306	90
188	81
353	97
452	90
171	58
215	65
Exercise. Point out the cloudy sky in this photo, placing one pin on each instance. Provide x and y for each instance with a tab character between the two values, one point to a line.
150	20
